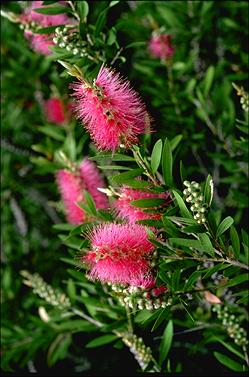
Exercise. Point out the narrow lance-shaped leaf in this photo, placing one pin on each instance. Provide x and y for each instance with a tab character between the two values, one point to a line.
101	340
52	10
208	79
146	203
235	241
224	225
156	155
175	141
123	177
183	209
166	342
209	190
83	9
231	364
167	163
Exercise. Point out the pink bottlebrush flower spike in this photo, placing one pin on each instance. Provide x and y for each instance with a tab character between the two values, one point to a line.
131	213
54	111
93	180
120	254
111	110
41	42
160	46
71	190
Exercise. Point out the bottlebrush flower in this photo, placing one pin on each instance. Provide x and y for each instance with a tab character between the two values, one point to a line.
93	180
131	213
161	47
71	190
120	254
54	111
40	42
111	110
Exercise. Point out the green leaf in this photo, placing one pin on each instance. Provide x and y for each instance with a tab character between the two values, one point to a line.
156	155
167	163
83	9
100	23
181	220
76	325
113	167
183	209
182	172
211	271
101	340
146	203
52	131
224	225
175	141
112	3
58	349
142	316
208	80
52	10
231	348
163	315
64	226
186	242
71	290
90	202
113	157
111	37
124	177
237	280
47	30
170	228
70	261
48	2
209	190
235	241
192	279
166	342
206	243
137	184
169	16
194	229
225	360
69	147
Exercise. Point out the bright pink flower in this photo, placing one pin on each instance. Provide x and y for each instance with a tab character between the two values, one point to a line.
71	190
93	180
161	47
41	42
131	213
55	111
111	110
120	254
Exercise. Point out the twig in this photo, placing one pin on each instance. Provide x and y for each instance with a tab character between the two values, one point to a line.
129	319
89	319
74	10
221	260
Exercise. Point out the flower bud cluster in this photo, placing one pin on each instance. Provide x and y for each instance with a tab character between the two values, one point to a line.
232	325
66	37
142	354
244	100
29	26
45	291
194	196
142	298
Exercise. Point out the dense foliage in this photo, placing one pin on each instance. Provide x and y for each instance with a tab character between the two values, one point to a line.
174	199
